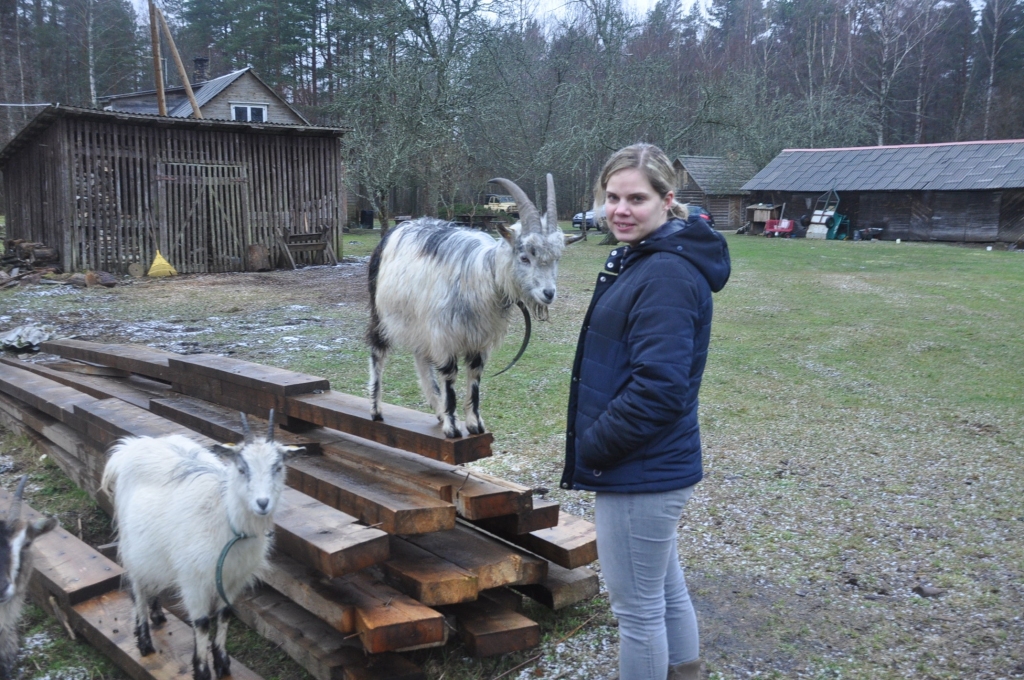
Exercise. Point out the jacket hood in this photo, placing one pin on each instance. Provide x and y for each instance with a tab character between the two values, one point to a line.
695	241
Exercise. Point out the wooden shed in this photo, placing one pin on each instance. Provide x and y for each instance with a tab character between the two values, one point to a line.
962	191
716	184
108	189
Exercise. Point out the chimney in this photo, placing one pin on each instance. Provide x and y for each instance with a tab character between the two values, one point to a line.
199	71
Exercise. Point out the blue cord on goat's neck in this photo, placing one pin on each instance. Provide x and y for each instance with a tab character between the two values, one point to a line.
238	536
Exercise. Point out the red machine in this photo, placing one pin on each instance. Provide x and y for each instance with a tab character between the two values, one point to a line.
779	228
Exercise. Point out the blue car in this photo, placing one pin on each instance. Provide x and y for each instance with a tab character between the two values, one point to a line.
584	221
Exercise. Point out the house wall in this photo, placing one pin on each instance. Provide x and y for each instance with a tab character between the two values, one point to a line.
248	89
109	194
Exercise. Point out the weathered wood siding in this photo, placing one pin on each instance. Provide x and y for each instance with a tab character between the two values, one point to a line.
249	90
1011	216
108	194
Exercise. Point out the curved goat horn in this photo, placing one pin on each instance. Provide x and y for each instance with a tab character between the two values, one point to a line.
552	213
528	213
246	432
14	512
270	427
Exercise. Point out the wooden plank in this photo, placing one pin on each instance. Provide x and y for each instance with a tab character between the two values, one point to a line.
277	381
394	508
562	587
140	359
110	419
488	629
474	494
64	566
107	622
426	577
311	590
87	369
401	428
571	544
325	538
388	620
314	645
544	515
98	387
222	423
494	563
53	399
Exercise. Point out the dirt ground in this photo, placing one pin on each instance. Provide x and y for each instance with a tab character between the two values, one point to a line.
755	621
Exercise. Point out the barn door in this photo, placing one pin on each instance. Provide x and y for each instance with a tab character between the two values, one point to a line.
204	216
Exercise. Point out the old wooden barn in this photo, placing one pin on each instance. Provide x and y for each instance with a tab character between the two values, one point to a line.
964	191
714	183
110	188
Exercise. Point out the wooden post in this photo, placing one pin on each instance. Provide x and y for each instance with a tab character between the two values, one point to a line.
158	71
181	67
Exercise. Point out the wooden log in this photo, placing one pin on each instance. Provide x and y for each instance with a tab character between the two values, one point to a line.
562	587
401	428
53	399
474	494
108	420
325	538
571	544
394	508
494	563
139	359
64	566
311	590
488	629
107	622
426	577
317	647
134	391
222	423
543	515
388	620
87	369
277	381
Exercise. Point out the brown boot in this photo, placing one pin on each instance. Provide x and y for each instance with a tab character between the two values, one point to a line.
685	671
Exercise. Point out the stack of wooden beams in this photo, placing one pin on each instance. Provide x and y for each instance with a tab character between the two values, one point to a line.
384	540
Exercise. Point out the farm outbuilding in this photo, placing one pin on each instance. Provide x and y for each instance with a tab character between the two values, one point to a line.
716	184
110	188
962	191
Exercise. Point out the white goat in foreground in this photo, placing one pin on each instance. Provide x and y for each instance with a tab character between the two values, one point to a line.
177	507
16	536
446	292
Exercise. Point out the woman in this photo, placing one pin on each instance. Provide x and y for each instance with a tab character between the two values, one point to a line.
632	432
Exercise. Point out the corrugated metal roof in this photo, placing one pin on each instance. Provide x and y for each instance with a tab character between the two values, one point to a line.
959	166
204	94
718	176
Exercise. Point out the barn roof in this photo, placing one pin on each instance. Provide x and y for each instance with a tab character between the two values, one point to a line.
958	166
45	118
718	176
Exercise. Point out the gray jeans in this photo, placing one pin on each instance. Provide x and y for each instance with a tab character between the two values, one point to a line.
638	548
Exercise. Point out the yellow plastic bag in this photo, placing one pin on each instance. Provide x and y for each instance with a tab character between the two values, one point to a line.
161	267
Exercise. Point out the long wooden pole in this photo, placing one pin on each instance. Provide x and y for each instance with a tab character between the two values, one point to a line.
181	67
158	71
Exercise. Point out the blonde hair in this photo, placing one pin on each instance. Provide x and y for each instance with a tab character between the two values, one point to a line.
651	161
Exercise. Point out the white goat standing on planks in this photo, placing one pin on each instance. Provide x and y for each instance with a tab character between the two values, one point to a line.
16	536
446	292
182	513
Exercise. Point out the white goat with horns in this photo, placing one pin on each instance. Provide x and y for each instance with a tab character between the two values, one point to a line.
195	521
446	292
16	536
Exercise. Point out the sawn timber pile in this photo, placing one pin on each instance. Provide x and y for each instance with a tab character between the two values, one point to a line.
383	540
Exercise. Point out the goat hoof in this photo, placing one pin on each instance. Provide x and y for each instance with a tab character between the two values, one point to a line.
376	416
475	429
454	434
158	619
221	662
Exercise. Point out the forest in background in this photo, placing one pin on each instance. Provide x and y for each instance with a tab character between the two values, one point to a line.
441	95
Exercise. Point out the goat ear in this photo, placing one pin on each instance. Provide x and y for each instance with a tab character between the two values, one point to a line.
227	450
289	451
507	234
40	526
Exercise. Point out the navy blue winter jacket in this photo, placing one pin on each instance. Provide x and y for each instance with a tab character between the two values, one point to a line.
632	421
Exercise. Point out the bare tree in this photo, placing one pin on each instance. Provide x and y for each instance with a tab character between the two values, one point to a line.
1000	24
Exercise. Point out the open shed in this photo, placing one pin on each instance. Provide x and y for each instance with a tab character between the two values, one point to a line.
962	191
110	188
716	184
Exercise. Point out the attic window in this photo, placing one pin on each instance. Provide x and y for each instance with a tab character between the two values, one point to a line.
250	113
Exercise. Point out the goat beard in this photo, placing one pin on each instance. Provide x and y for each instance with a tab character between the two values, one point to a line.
537	310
